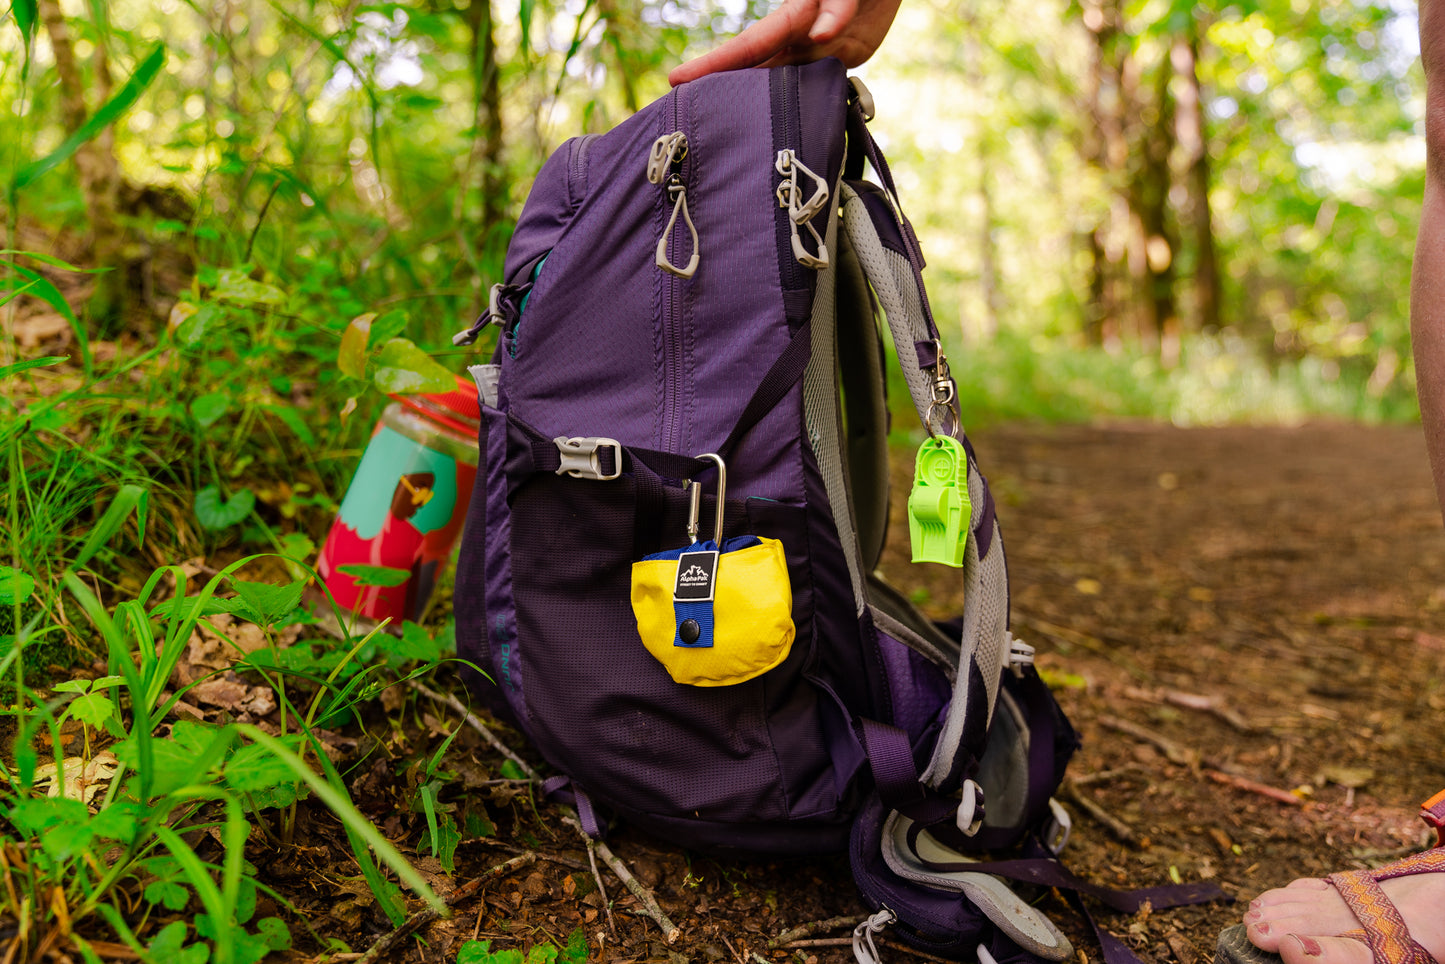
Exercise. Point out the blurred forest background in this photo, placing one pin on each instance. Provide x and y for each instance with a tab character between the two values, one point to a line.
1192	211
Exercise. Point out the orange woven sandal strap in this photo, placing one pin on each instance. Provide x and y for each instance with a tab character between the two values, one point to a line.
1386	934
1432	811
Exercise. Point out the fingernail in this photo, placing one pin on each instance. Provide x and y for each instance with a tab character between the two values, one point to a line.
1309	945
1253	915
1255	904
1261	928
823	25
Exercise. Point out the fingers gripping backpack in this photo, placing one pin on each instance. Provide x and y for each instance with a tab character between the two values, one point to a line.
668	573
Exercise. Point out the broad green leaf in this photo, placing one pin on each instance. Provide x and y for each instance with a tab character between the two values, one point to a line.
191	329
72	686
112	109
208	408
352	357
415	644
374	575
18	367
480	952
298	546
265	603
215	513
92	709
576	950
443	841
404	369
237	286
15	586
119	821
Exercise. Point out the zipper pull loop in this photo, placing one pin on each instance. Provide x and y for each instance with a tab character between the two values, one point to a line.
664	167
800	212
678	192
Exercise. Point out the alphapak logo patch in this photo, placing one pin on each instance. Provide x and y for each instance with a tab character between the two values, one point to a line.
696	577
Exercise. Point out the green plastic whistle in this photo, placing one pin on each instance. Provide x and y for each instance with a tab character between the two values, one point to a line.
939	512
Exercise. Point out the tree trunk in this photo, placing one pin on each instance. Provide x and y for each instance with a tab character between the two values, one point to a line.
98	173
488	136
1193	138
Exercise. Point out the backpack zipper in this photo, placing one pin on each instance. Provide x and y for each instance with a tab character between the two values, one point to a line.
668	168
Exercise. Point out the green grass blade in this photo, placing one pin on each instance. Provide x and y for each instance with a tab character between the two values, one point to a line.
129	497
108	113
7	370
205	887
350	817
45	290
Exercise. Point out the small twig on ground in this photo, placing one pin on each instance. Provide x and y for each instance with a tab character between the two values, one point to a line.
1103	776
1192	701
815	942
601	888
741	959
425	916
1120	830
479	726
671	932
808	930
1254	786
1177	753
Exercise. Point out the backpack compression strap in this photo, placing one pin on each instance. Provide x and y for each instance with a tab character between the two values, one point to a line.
877	234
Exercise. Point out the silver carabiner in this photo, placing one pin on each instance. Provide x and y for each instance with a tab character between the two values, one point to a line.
943	398
694	509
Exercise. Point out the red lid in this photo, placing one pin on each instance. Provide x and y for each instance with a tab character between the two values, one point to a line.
460	402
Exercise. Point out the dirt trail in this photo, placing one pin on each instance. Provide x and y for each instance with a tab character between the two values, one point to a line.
1227	612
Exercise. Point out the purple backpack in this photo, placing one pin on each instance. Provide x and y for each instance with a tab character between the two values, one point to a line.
689	346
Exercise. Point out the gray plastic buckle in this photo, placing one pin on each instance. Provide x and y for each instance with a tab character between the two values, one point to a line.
1059	827
580	457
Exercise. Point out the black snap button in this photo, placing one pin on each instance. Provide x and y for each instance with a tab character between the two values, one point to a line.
689	631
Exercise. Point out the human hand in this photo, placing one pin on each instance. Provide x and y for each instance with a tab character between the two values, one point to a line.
799	31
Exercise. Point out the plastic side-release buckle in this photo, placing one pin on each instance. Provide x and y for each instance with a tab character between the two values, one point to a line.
581	457
864	96
1059	828
1432	811
1020	654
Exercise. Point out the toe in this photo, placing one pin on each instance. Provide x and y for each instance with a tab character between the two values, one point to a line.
1296	949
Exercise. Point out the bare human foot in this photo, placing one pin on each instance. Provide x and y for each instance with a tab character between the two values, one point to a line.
1303	921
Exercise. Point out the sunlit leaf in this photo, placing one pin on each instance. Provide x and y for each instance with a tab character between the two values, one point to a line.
352	357
112	109
404	369
191	329
238	287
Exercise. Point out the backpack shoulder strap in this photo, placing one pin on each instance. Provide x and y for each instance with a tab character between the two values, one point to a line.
880	238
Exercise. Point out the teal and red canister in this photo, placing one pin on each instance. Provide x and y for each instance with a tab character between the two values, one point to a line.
405	505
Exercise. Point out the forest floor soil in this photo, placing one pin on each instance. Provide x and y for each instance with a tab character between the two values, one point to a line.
1245	624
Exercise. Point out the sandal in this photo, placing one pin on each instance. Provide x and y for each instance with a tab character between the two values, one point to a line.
1382	928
